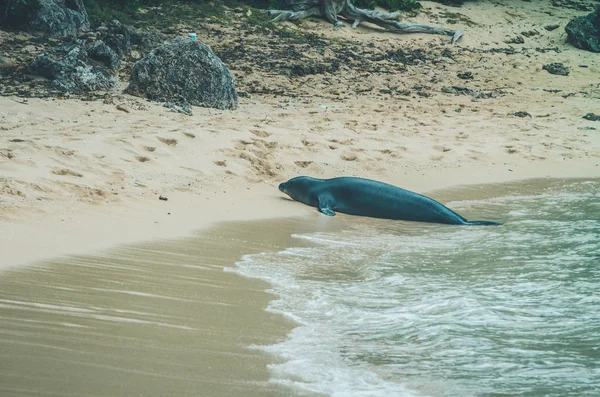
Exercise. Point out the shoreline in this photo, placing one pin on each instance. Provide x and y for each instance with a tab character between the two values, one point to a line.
67	231
170	292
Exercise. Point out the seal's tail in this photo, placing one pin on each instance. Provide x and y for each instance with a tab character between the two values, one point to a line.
482	223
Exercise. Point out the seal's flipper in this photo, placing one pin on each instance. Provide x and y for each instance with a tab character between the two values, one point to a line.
325	204
327	211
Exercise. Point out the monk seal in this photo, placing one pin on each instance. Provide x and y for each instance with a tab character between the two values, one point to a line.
366	197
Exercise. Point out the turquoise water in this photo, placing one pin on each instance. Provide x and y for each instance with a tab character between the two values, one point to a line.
410	309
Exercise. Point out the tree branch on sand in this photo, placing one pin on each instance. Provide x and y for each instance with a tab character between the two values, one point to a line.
330	9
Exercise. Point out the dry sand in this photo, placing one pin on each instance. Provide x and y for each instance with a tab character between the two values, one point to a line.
77	177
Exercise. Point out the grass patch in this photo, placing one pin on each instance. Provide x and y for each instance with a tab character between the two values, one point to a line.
154	13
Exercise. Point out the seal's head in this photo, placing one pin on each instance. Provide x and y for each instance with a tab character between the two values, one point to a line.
282	187
301	189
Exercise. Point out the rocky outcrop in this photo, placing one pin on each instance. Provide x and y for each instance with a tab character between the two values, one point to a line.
93	61
72	70
584	32
184	71
100	52
59	18
125	39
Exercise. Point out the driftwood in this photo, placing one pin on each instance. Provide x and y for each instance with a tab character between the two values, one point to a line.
330	9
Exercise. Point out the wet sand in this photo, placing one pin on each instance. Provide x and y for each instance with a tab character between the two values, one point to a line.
155	319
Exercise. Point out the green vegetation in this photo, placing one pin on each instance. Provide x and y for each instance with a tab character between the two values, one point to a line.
105	10
157	13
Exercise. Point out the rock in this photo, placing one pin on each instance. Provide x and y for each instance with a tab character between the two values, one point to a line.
163	198
7	63
530	33
584	32
99	51
592	117
72	70
465	75
520	114
515	40
181	71
125	39
59	18
552	27
556	68
185	108
29	50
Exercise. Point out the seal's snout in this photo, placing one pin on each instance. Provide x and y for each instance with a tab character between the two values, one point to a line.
282	187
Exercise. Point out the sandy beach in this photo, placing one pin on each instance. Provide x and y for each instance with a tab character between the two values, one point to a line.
79	177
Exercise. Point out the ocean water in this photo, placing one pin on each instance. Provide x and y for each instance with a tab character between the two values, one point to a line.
409	309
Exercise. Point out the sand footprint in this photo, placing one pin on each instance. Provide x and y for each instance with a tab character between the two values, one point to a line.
240	145
388	152
345	142
303	164
306	142
270	144
349	156
168	141
64	152
260	133
66	172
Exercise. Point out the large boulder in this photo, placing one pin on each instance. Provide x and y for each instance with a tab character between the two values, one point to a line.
72	70
184	71
59	18
584	32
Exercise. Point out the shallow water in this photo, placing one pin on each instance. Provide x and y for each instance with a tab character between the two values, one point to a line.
411	309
